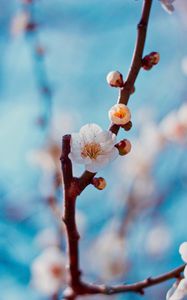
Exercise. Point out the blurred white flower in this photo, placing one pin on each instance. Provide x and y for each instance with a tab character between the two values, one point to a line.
174	126
177	292
63	123
171	291
158	240
184	65
47	238
167	5
183	251
42	159
182	115
144	151
93	147
119	114
111	251
19	23
48	271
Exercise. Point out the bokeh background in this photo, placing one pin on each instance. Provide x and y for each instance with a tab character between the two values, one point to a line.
54	58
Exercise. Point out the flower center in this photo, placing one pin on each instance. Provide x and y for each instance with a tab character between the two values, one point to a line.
120	113
91	150
56	271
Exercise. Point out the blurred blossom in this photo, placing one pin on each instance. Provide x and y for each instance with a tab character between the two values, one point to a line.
183	251
158	240
48	271
42	159
111	252
47	238
178	291
19	23
144	151
184	65
63	123
143	188
46	186
174	125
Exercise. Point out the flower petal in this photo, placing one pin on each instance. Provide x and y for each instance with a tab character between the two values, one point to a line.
89	132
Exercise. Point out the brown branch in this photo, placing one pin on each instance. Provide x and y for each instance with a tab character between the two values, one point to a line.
74	186
137	287
71	191
136	64
135	67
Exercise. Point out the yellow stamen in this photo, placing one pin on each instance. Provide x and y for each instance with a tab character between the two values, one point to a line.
91	150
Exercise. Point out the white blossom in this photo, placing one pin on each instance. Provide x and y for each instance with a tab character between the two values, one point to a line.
178	292
48	271
167	5
183	251
184	65
119	114
158	240
111	252
93	147
173	127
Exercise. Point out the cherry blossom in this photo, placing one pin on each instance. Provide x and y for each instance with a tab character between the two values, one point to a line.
93	147
48	271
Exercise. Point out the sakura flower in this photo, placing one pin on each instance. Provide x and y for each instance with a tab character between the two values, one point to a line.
158	240
183	251
111	252
184	65
167	5
119	114
93	147
173	128
48	271
19	23
178	292
115	79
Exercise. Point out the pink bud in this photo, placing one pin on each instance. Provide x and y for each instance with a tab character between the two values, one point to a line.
124	147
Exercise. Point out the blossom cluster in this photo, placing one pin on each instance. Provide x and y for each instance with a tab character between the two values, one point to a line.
94	147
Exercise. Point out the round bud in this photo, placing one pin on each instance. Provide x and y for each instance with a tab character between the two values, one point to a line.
115	79
124	147
150	60
99	183
146	63
119	114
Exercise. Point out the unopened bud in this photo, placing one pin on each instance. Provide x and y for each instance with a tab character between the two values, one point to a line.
115	79
119	114
150	60
99	183
124	147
